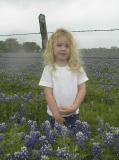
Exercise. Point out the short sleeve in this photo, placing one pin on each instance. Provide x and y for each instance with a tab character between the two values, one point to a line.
46	78
82	77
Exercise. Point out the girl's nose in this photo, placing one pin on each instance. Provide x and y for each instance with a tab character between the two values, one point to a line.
63	47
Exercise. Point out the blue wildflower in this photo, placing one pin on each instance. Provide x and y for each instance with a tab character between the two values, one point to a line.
96	150
3	127
81	139
1	137
47	127
46	150
43	140
32	139
63	153
109	139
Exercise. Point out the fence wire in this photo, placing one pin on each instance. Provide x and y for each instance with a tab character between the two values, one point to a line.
93	30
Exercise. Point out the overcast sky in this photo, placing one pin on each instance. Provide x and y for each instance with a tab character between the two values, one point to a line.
21	16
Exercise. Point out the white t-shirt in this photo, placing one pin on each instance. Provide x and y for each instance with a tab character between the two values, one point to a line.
64	83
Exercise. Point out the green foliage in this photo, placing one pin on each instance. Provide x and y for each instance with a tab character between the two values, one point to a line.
30	47
12	45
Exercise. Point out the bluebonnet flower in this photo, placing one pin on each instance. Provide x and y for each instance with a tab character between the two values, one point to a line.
51	137
97	151
27	97
8	99
43	140
81	139
64	131
61	130
41	154
16	156
115	131
30	122
83	127
23	120
46	126
1	137
46	150
63	153
109	139
24	154
12	118
77	127
33	125
117	148
35	134
58	129
3	127
32	139
21	155
18	117
29	142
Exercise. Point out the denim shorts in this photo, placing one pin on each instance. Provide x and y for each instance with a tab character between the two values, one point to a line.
69	121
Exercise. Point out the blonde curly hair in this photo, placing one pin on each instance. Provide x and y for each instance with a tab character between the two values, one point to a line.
73	61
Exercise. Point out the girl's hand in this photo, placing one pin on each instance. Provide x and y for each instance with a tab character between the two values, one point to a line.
66	110
59	119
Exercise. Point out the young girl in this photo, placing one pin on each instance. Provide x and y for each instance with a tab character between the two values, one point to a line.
63	79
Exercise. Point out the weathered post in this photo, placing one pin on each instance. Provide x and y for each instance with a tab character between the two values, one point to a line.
43	30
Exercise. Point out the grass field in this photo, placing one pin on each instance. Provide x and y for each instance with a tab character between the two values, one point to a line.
23	114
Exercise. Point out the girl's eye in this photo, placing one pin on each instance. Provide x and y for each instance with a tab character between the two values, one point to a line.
59	45
66	45
63	45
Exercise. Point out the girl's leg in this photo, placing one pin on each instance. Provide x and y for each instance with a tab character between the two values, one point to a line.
51	120
70	121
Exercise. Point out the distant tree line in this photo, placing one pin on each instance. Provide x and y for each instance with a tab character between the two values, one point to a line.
12	45
113	51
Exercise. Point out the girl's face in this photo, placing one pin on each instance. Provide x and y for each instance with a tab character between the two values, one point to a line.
61	49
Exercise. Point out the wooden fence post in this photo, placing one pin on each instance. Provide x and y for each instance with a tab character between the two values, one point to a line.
43	30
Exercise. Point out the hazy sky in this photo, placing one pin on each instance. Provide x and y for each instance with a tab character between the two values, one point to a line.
21	16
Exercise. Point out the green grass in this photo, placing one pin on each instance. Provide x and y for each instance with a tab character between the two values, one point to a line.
94	106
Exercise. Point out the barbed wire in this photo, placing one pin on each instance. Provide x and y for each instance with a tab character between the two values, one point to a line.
93	30
97	30
18	34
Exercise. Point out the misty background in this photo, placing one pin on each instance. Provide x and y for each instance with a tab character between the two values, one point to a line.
21	16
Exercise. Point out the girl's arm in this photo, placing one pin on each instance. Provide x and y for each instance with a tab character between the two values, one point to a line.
79	99
52	105
80	96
